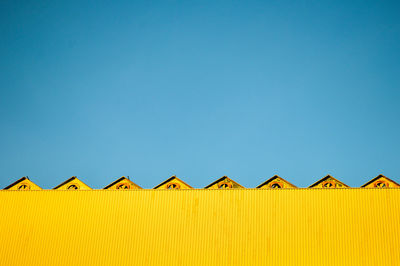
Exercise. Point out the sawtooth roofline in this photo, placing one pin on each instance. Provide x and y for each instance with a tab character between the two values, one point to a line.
379	177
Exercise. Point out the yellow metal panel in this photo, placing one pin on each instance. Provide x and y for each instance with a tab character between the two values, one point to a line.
201	227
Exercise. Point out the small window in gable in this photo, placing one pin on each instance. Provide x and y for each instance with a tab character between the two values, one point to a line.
380	184
328	184
73	187
225	185
123	186
276	185
173	186
23	187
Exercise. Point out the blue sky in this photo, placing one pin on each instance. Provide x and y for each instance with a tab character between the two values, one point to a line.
199	89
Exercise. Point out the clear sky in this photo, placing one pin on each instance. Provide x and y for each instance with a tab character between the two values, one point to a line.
199	89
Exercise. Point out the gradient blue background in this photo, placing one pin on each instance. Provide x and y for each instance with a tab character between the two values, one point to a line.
199	89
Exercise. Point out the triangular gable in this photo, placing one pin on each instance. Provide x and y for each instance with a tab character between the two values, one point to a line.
122	183
72	184
23	184
173	183
381	181
224	183
276	182
328	182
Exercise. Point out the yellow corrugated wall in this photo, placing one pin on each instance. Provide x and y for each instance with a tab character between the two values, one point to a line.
201	227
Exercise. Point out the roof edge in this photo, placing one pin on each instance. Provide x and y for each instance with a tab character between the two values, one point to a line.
220	179
169	179
118	180
326	177
377	177
272	178
69	180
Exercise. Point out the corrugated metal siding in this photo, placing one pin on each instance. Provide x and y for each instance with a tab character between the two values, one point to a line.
201	227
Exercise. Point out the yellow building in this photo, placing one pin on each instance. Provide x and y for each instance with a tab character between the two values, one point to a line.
72	183
122	183
298	226
224	183
276	182
353	226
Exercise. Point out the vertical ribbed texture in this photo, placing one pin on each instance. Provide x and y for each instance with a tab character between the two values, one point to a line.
201	227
